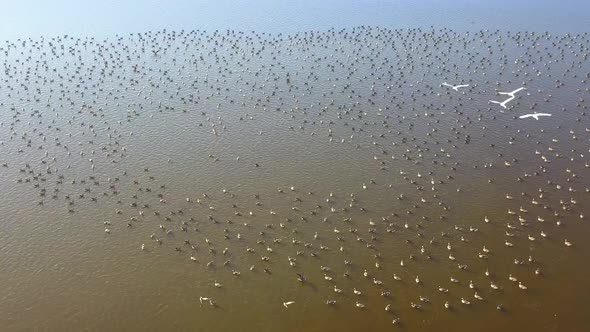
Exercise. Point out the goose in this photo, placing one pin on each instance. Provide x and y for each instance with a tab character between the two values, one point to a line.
455	87
512	94
503	103
534	115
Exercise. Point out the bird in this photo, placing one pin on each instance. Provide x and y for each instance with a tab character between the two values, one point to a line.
511	94
455	87
502	103
534	115
287	304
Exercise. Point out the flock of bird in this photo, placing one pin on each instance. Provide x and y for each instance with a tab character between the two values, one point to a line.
455	199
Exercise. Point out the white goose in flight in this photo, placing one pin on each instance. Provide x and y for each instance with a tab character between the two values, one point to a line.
455	87
511	94
502	103
534	115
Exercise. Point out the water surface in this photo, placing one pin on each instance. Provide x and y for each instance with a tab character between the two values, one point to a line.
281	134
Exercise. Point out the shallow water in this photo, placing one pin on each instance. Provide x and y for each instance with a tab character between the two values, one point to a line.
111	17
362	115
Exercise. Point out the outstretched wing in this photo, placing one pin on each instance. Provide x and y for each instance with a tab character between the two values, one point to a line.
515	91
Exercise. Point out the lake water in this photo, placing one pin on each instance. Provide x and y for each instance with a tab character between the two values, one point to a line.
144	170
110	17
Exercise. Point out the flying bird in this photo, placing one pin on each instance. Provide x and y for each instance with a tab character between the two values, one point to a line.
511	94
502	103
455	87
534	115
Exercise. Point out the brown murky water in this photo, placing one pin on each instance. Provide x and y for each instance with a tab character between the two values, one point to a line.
325	154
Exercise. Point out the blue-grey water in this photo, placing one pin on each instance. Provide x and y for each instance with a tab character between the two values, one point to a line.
153	154
110	17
